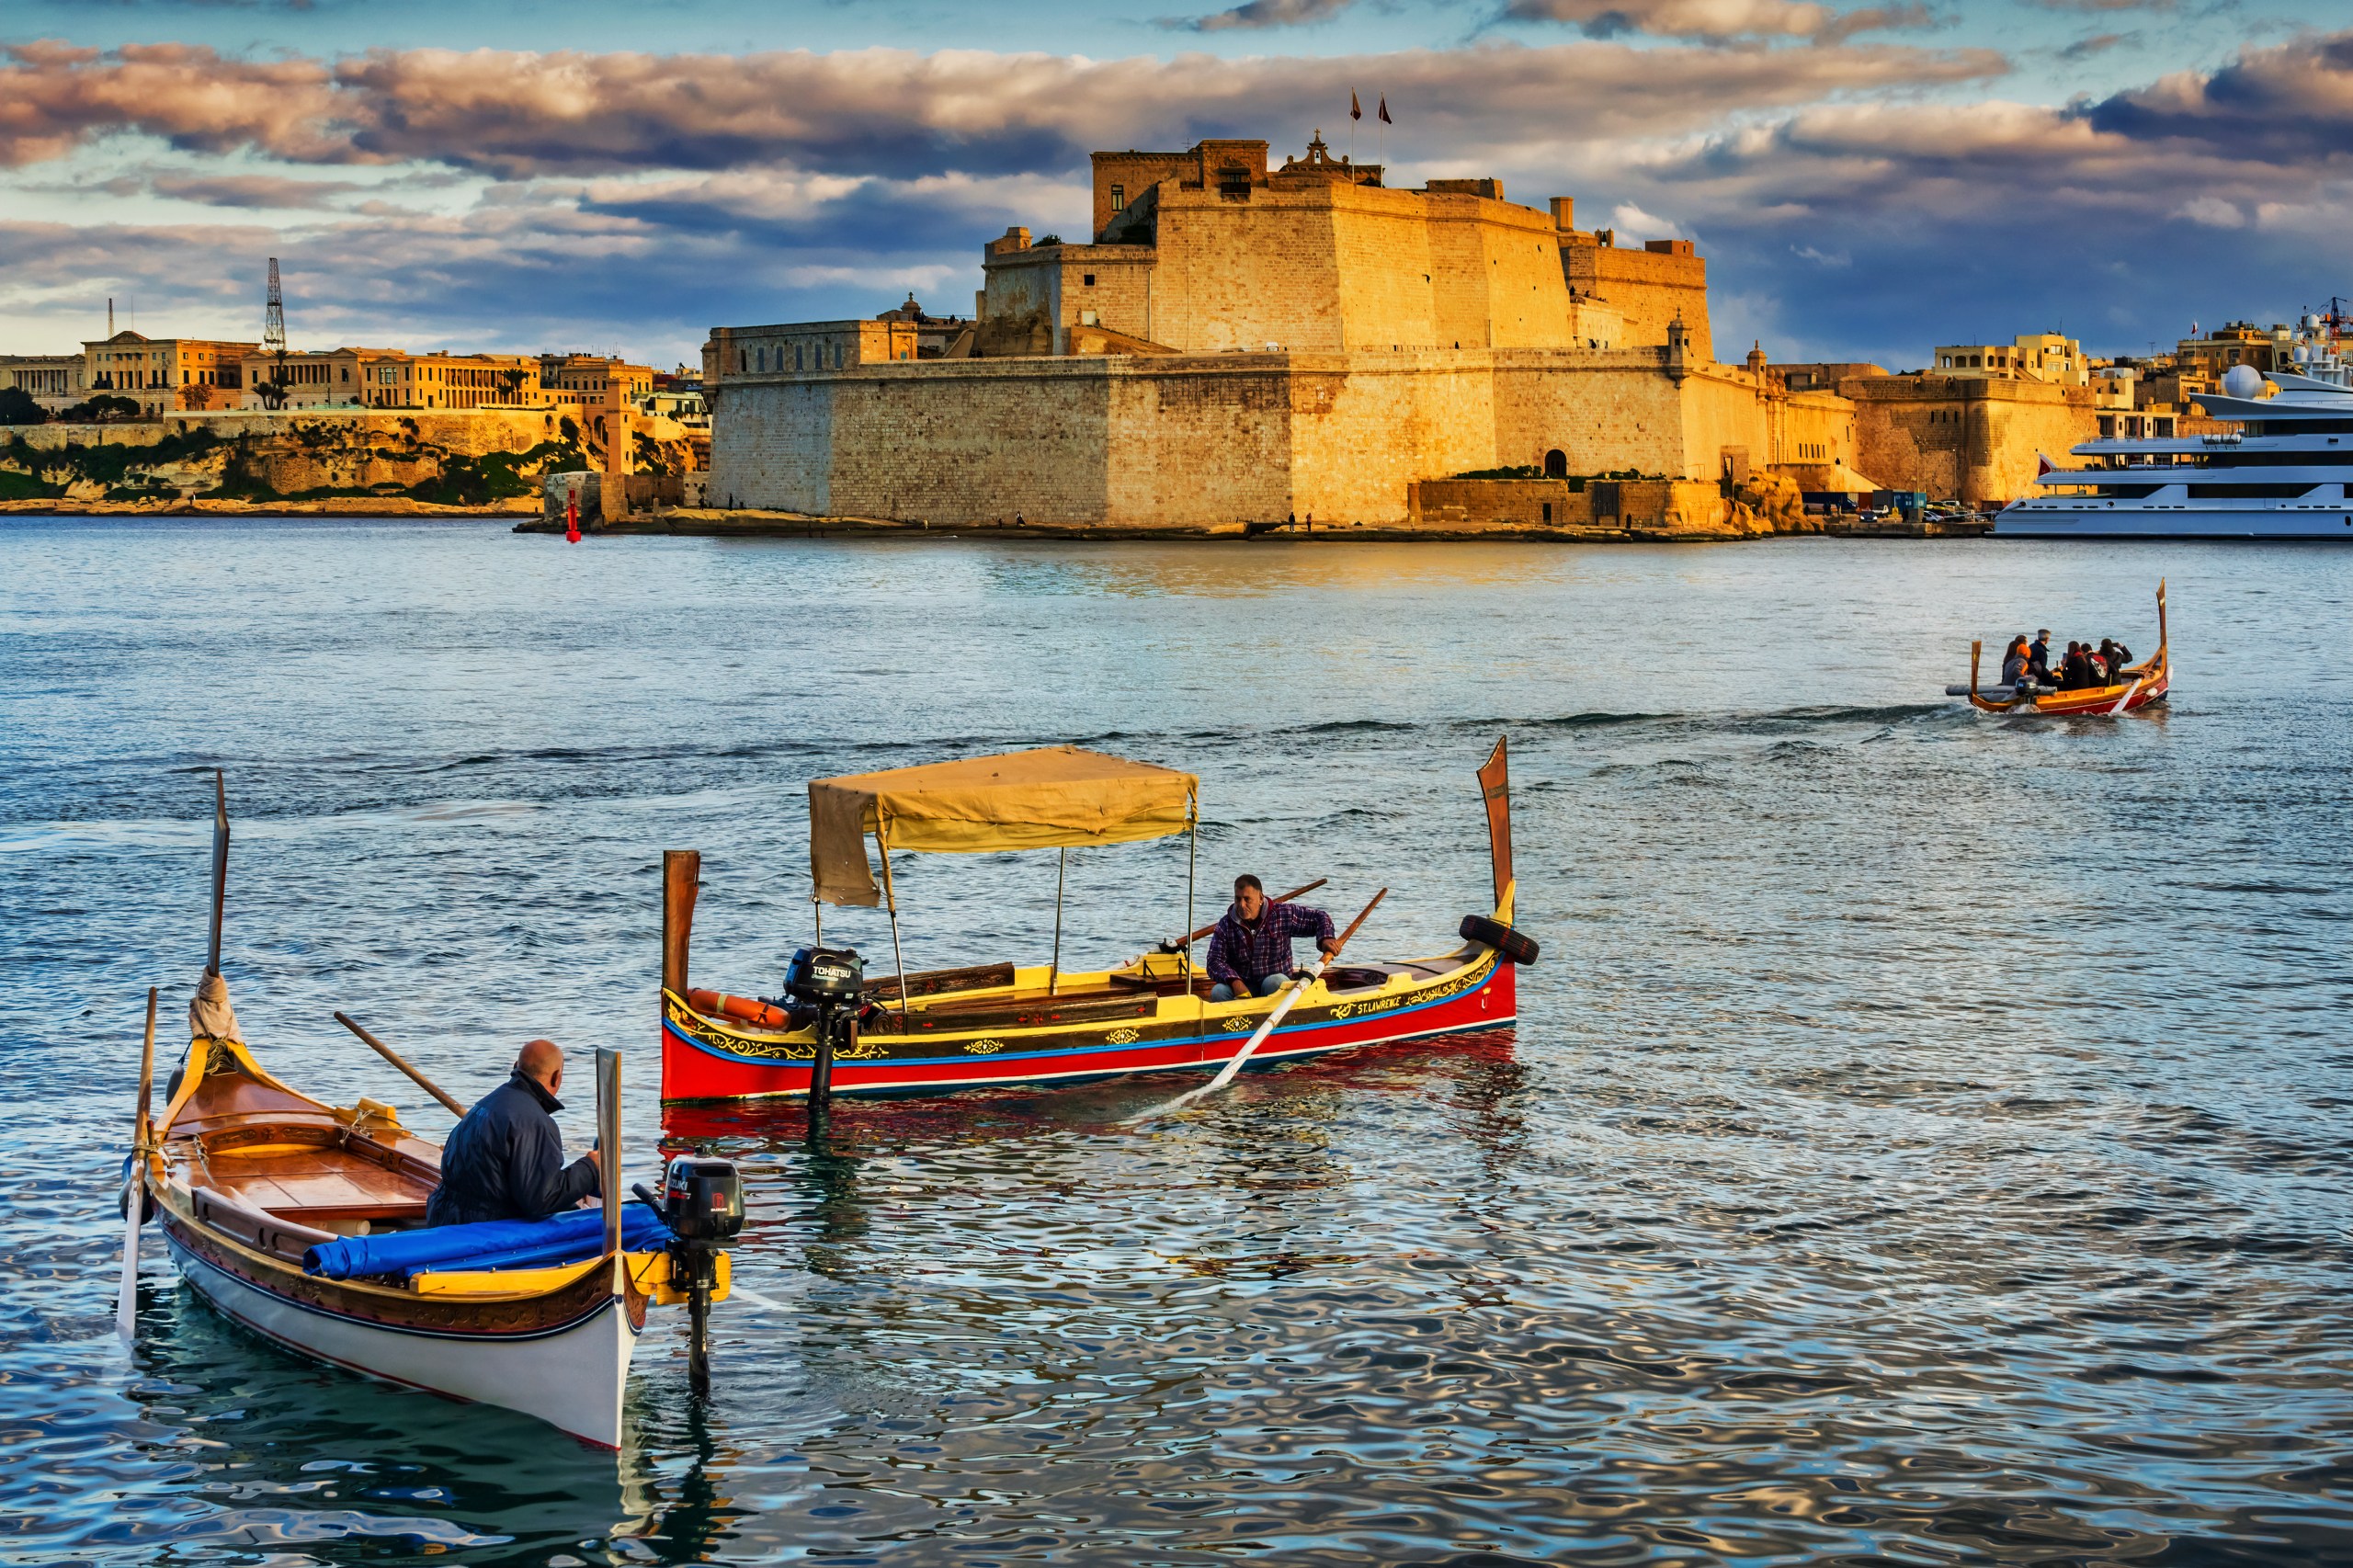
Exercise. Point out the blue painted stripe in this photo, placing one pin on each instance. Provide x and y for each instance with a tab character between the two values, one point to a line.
185	1257
960	1058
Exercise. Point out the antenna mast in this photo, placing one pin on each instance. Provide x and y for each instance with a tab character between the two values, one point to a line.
273	330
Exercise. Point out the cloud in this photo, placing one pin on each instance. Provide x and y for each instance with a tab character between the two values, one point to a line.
1718	20
888	112
53	96
1261	14
2084	47
250	190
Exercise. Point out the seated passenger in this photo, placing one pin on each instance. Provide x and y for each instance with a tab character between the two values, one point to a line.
505	1160
2014	662
2038	657
1250	950
2078	668
2120	659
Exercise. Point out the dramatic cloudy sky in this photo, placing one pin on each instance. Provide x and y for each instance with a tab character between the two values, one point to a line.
1867	180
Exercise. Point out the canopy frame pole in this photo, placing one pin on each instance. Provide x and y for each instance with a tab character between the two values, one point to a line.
1062	880
890	902
1192	866
817	905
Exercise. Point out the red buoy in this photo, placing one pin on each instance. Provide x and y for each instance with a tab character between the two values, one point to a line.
572	517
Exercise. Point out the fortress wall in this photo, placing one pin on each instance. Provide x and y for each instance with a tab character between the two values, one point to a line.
1386	262
1200	444
1813	428
1647	289
1722	411
1021	305
1963	439
1120	295
1603	411
1366	426
920	439
1208	440
1509	291
775	446
1244	274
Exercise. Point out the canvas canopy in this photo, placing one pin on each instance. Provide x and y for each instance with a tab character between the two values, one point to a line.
1057	797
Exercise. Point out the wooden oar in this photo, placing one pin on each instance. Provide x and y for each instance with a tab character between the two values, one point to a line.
125	1301
1211	928
220	863
1291	993
395	1057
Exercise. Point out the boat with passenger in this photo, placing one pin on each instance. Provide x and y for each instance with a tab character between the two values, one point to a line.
305	1221
2281	473
838	1030
2127	690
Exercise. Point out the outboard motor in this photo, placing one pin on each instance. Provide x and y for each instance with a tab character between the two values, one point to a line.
832	982
702	1202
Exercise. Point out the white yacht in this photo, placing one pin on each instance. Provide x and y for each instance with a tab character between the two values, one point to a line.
2284	473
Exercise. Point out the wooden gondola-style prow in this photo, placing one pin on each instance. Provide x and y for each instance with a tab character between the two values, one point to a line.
1494	788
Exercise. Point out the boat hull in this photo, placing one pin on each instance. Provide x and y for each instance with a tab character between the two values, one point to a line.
2041	519
564	1358
706	1059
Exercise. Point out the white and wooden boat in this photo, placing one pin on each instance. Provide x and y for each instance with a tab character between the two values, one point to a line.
250	1176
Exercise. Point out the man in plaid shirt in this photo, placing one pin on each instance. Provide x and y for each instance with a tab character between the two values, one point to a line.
1250	950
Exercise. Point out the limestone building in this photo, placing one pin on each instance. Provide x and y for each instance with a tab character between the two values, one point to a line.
166	374
54	381
1240	341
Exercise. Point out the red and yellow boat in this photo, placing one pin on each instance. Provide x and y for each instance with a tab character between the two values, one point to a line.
1002	1023
2142	686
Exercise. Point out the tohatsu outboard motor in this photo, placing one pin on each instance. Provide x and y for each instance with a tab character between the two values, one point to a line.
702	1202
832	982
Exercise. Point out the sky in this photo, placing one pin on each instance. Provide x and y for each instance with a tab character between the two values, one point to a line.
1866	181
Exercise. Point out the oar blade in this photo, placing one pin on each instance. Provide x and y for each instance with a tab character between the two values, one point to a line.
126	1300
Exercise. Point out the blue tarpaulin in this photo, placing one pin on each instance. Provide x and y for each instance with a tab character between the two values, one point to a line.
496	1244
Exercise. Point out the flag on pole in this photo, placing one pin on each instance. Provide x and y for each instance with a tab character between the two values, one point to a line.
1384	110
1356	109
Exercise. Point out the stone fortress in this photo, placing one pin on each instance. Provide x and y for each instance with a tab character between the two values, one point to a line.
1240	343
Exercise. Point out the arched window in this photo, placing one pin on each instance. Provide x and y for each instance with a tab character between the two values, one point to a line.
1556	464
796	356
763	357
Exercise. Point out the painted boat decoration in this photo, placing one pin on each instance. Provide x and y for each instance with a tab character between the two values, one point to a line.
2145	685
1000	1023
260	1189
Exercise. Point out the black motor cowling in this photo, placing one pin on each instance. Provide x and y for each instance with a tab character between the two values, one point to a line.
820	975
702	1198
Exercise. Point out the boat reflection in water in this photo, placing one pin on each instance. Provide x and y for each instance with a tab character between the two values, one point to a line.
310	1461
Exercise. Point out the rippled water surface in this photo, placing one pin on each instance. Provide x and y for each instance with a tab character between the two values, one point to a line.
1925	1140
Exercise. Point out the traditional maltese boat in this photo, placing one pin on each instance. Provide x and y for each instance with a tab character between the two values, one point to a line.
2141	684
303	1220
999	1023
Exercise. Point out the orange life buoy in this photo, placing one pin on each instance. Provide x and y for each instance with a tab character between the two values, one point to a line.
743	1010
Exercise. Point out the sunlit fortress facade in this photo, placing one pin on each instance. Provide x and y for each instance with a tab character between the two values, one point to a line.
1239	343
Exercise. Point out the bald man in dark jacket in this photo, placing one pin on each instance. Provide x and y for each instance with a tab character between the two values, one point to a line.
505	1160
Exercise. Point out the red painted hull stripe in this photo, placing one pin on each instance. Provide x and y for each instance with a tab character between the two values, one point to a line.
1288	1032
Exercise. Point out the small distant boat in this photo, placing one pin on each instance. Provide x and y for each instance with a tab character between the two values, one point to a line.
2141	686
301	1220
998	1024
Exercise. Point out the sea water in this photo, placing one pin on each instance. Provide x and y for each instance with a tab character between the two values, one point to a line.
1925	1140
